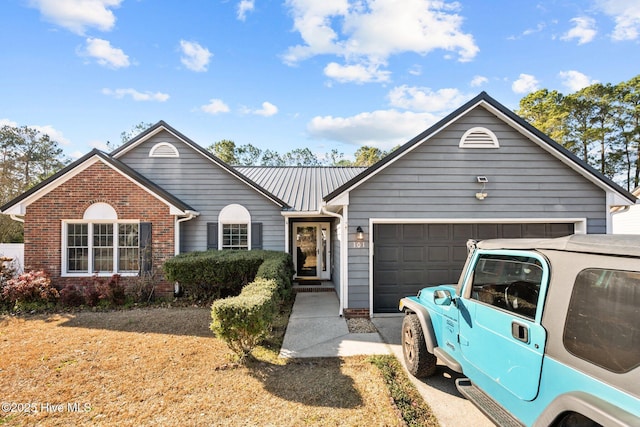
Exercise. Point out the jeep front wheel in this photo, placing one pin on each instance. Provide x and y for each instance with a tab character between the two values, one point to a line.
419	362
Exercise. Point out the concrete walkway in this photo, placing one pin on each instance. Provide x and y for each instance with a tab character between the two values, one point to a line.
316	330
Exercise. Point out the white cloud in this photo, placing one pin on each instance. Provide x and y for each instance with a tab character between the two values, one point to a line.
215	106
367	32
478	81
78	15
7	122
136	95
383	128
105	54
626	15
54	134
194	56
584	30
243	7
526	83
357	73
425	99
267	110
575	80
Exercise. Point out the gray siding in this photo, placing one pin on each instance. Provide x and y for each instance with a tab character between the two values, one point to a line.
208	188
438	180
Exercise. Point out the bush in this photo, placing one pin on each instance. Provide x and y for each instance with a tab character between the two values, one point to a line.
72	296
213	274
245	320
30	290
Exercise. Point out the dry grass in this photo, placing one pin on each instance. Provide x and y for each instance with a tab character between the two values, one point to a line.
162	366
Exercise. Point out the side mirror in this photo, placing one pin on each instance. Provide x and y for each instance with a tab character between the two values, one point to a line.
442	297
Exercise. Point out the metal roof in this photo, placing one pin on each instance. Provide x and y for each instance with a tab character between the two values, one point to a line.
301	187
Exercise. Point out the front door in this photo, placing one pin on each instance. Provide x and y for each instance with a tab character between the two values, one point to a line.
312	250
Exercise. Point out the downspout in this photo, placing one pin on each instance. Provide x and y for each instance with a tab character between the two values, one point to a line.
176	236
343	255
15	218
189	216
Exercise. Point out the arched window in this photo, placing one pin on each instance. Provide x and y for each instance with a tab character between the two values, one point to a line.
99	243
479	137
164	149
234	226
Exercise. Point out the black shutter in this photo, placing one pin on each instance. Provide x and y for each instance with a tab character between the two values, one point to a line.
256	235
145	243
212	235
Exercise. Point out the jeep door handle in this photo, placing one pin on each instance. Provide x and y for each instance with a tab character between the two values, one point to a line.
520	331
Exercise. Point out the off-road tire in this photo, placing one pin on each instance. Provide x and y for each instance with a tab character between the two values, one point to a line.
419	362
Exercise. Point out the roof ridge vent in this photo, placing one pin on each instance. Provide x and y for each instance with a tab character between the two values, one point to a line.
479	137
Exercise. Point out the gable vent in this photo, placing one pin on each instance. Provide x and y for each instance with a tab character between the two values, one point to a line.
163	149
479	137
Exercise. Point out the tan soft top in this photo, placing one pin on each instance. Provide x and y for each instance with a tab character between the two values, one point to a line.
609	244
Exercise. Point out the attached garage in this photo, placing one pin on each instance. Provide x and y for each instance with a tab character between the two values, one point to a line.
409	257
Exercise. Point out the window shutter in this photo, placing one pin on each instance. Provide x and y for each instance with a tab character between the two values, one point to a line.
256	235
145	242
212	235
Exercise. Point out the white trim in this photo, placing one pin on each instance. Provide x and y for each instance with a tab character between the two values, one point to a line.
20	208
229	169
90	222
620	199
162	146
233	214
580	227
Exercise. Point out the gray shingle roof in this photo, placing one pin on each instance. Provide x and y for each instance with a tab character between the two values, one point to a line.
302	188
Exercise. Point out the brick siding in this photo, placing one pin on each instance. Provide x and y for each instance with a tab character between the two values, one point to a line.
98	183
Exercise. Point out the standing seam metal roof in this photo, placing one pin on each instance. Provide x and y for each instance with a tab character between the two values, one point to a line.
301	187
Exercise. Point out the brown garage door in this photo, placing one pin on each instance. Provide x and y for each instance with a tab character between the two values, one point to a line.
409	257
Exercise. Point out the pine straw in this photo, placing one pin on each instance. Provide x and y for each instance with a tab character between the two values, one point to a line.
162	366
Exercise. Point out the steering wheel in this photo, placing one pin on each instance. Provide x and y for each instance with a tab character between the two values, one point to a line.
521	296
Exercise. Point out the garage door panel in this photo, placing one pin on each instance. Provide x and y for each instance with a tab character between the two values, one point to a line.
409	257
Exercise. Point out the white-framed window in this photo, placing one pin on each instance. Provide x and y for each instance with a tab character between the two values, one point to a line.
234	222
100	244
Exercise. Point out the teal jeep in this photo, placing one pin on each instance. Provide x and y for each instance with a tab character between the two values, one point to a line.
546	331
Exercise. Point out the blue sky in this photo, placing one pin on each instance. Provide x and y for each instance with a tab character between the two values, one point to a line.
285	74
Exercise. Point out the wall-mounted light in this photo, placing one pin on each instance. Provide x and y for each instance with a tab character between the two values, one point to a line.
482	180
359	233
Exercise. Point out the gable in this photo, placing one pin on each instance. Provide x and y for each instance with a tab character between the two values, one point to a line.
18	205
180	163
472	112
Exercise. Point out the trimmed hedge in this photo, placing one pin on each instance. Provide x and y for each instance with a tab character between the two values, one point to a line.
209	275
244	320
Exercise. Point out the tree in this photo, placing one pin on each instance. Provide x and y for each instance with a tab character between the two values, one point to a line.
301	157
136	130
367	156
225	150
546	111
27	157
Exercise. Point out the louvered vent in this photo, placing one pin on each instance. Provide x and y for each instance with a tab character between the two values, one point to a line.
163	149
479	137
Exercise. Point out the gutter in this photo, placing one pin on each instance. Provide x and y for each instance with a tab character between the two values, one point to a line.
343	256
16	218
189	216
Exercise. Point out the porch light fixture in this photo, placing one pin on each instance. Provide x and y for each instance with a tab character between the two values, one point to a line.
482	180
359	233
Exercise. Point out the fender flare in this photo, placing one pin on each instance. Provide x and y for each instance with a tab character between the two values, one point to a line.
600	411
410	306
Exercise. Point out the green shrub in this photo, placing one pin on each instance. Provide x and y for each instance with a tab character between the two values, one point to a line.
244	320
212	274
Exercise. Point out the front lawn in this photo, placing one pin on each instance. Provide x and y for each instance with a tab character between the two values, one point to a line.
163	366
